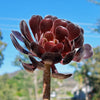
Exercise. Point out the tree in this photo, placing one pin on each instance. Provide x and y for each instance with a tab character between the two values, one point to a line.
2	47
88	72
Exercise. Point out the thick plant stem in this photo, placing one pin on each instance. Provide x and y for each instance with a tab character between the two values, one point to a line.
46	82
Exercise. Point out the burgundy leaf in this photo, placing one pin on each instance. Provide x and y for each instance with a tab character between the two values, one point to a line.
37	64
17	45
18	35
88	51
43	41
27	44
79	41
37	49
51	17
34	25
49	45
59	22
25	31
74	31
21	38
61	32
82	31
67	46
49	36
57	48
61	76
68	58
46	24
79	54
28	67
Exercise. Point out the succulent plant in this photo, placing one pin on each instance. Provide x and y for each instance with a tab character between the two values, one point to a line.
56	41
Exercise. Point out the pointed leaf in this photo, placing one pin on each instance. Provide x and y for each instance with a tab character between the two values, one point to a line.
28	67
21	38
25	31
79	54
37	64
61	76
18	35
67	46
82	31
17	45
68	58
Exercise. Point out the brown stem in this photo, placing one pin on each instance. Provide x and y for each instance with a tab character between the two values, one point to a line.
35	84
46	82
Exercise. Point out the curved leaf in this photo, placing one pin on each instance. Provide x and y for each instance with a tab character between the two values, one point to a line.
68	58
61	76
18	35
25	31
88	51
17	45
28	67
37	64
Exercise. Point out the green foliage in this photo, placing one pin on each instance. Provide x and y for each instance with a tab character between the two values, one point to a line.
15	87
88	72
96	96
2	47
69	94
5	91
21	86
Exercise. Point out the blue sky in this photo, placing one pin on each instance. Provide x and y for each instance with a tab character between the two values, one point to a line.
12	12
